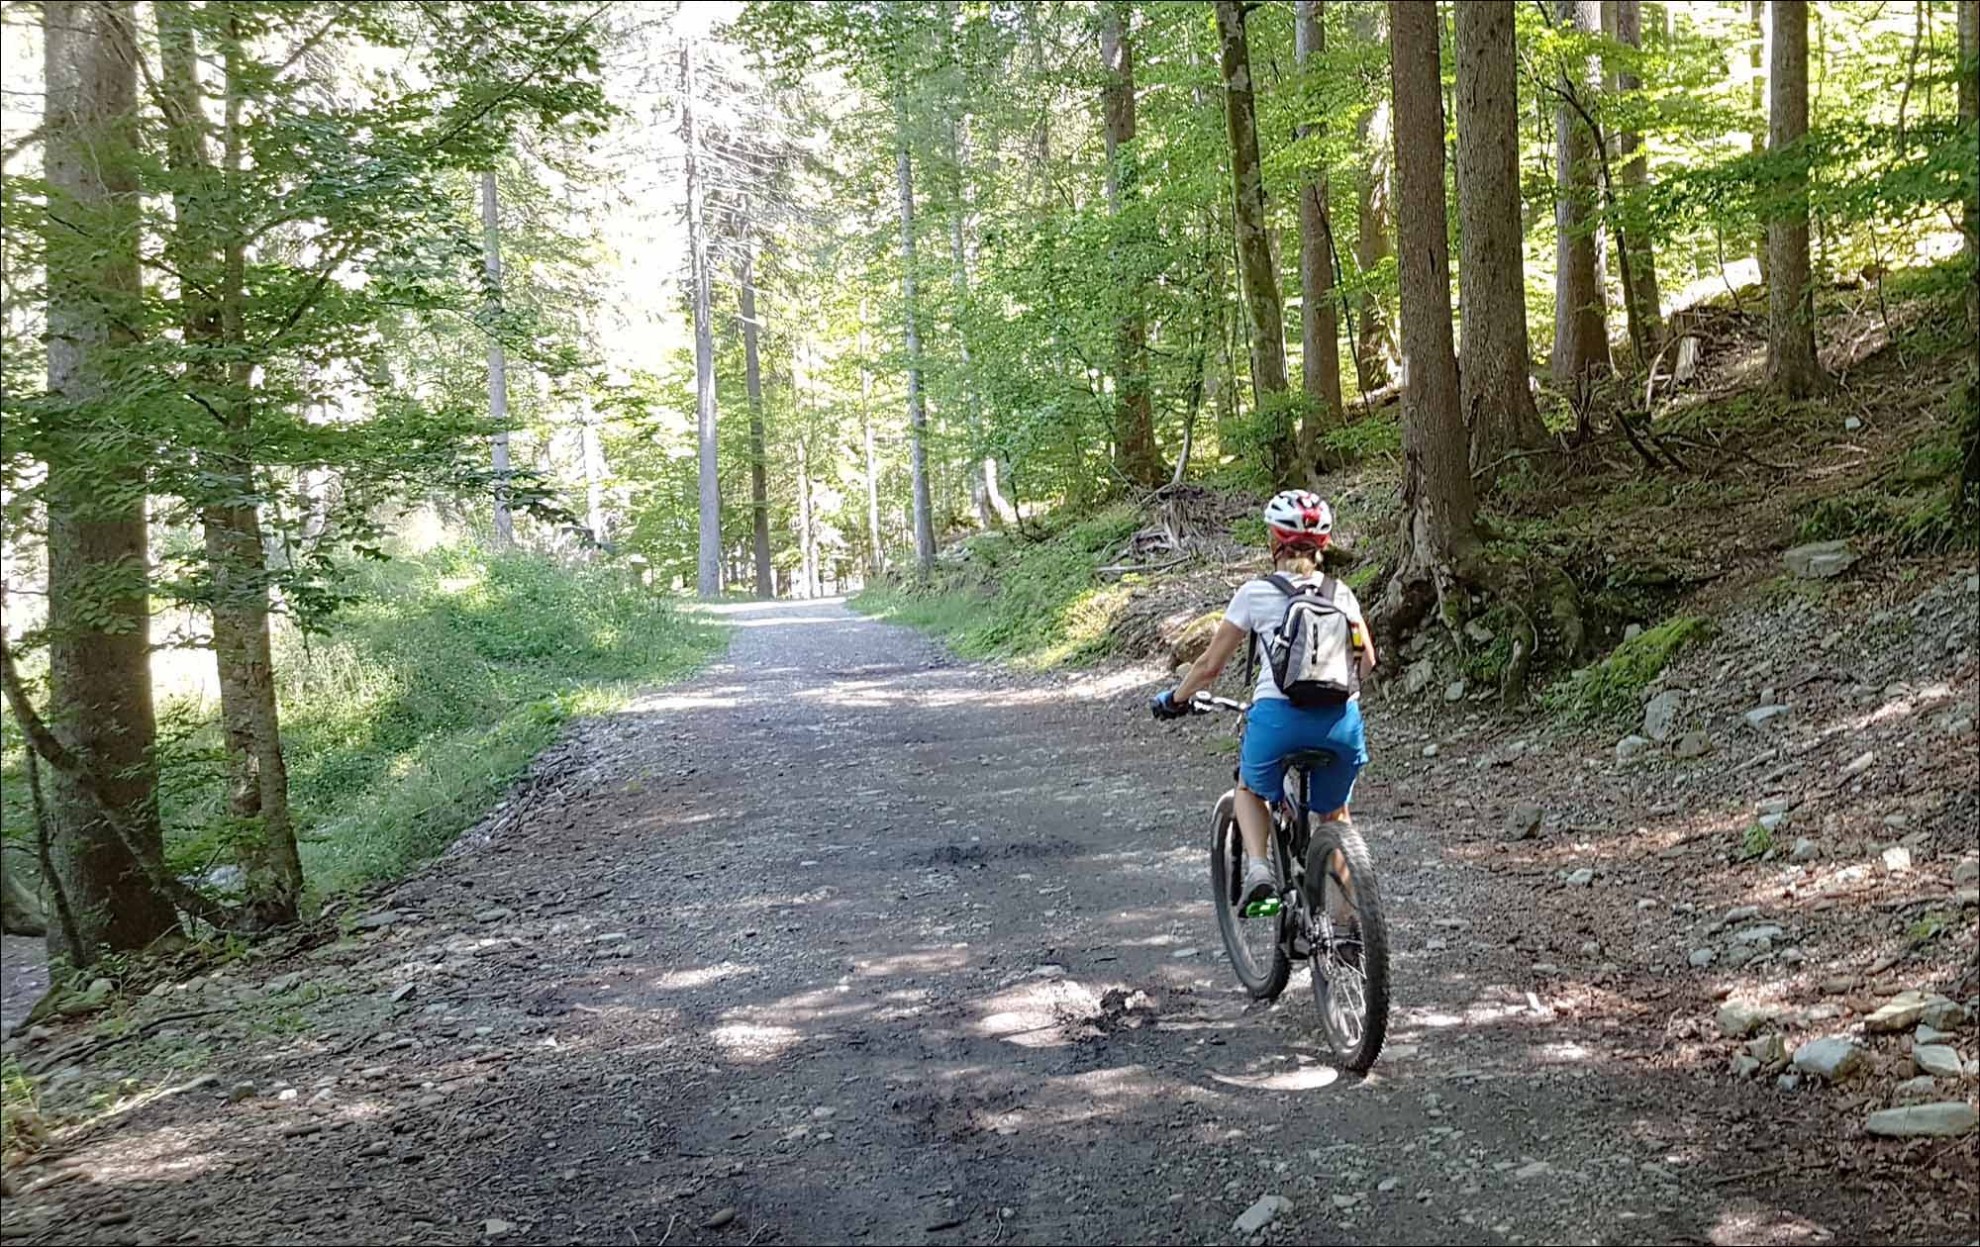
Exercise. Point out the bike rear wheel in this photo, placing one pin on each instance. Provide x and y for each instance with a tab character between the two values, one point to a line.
1350	944
1255	948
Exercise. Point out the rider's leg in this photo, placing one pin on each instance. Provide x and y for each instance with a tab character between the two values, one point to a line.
1254	822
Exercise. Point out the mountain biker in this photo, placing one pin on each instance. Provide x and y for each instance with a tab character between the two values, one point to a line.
1300	526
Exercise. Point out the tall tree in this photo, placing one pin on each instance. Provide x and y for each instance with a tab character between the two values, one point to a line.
876	548
708	557
99	632
498	362
759	485
1375	337
1645	303
1254	246
1135	453
1320	348
1494	370
1581	332
1791	363
1969	113
1440	538
208	244
924	518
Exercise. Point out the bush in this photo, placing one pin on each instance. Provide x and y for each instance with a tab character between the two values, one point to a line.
1612	689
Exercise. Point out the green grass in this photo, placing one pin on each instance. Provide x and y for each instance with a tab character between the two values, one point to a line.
428	698
1612	689
1038	603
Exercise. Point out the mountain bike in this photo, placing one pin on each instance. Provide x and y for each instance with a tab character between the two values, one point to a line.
1328	910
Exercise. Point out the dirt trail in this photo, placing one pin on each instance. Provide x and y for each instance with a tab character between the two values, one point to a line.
847	941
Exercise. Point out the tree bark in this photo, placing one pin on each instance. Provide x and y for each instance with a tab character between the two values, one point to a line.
1581	332
1440	537
1135	453
1254	246
1756	17
876	549
708	560
1644	308
99	628
1969	113
498	364
1792	367
1375	337
924	518
759	486
1320	348
1494	371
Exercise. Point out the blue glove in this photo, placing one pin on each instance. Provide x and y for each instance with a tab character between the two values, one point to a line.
1164	706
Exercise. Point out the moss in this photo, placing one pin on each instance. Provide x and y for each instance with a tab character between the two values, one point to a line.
1612	688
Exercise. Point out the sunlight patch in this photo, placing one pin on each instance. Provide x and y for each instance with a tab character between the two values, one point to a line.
699	976
752	1043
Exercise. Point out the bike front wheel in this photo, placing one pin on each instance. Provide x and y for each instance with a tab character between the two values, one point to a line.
1350	943
1255	948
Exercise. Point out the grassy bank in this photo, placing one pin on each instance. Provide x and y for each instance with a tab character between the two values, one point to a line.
427	699
1035	599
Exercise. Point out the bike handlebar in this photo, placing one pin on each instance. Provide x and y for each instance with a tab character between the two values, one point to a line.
1210	701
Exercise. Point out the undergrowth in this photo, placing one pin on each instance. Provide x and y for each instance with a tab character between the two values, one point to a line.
427	699
1035	601
1612	689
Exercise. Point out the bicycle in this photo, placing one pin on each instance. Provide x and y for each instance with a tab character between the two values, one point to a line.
1328	910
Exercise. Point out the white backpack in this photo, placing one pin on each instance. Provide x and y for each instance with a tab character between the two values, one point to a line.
1312	650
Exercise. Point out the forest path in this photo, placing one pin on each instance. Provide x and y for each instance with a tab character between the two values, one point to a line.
848	941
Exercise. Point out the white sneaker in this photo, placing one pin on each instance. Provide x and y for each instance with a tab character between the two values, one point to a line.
1261	882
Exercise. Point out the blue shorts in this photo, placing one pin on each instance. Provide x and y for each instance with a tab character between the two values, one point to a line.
1275	729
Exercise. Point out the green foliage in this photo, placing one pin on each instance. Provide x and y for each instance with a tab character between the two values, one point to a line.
1037	602
1755	843
1611	689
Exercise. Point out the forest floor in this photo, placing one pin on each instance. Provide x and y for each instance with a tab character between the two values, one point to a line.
849	941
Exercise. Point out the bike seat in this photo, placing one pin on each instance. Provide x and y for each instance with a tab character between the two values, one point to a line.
1312	759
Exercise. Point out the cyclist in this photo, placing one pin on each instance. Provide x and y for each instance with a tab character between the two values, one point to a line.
1300	526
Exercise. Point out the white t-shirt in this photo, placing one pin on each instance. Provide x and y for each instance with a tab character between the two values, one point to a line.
1258	605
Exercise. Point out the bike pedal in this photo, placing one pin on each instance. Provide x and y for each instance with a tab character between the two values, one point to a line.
1267	908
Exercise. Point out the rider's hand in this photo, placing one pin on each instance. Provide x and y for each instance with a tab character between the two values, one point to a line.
1164	706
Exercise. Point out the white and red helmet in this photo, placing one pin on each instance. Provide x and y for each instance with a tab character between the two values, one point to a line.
1299	517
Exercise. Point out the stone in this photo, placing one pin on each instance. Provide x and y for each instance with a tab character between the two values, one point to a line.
495	1227
1965	871
1581	878
1759	717
1947	1119
378	920
1804	850
721	1218
1899	1014
1936	1060
1788	1081
1525	822
496	913
1261	1214
1766	933
1632	632
1819	560
1430	751
1532	1169
241	1091
1740	1019
1773	822
1419	676
1741	913
1927	1033
403	991
1693	744
1768	1050
1745	1065
1830	1059
1943	1014
1479	632
1454	691
1630	747
1702	957
1852	423
1913	1090
1897	859
1859	764
1660	714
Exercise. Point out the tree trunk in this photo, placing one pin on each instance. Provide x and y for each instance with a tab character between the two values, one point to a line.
1135	453
1000	506
1791	364
1440	539
1320	349
498	364
807	545
759	486
708	560
1581	333
1969	112
1494	372
1645	306
99	627
1254	247
876	549
924	519
1375	337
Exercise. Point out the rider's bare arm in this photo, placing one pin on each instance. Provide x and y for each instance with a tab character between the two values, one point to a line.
1223	643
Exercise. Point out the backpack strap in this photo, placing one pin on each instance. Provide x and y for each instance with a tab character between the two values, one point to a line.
1282	584
1327	584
